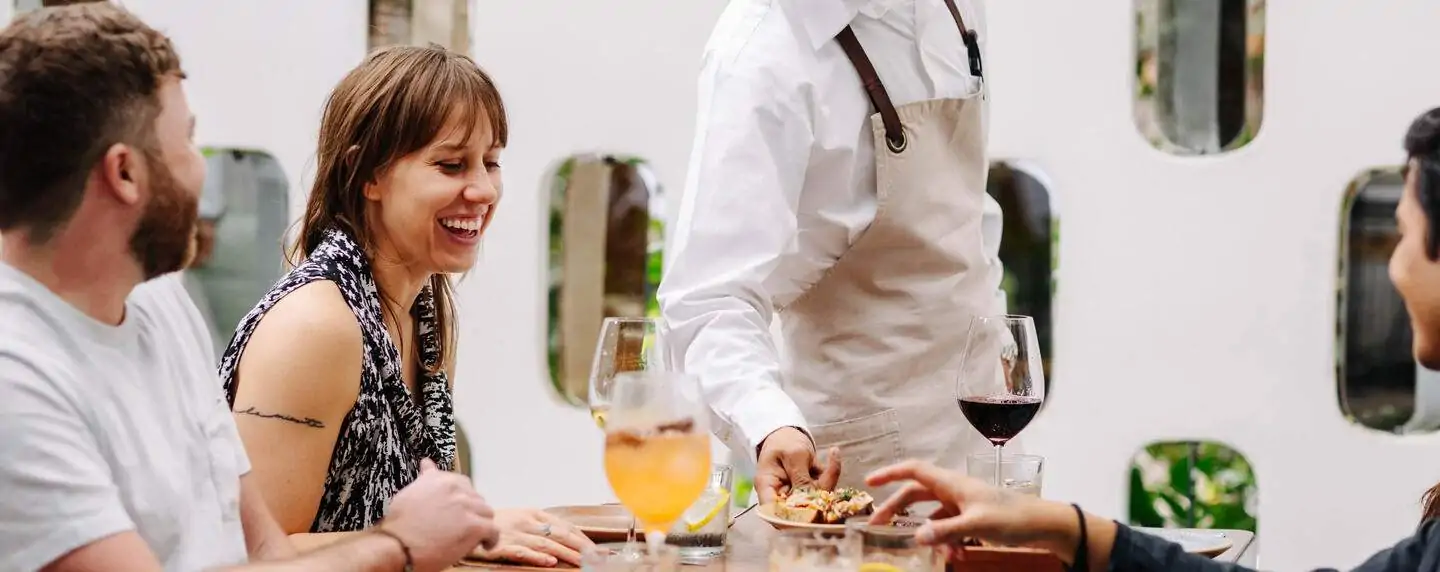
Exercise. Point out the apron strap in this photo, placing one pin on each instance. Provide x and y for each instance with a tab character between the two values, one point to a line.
894	133
879	98
972	42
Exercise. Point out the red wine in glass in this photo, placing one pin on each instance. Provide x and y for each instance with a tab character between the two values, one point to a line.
1001	383
999	417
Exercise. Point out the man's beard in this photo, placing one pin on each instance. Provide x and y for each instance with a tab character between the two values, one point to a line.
164	239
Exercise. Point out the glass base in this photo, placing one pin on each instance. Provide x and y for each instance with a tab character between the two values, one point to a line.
634	546
700	554
698	548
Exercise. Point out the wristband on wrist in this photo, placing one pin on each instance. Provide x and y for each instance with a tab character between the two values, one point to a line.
1081	562
409	563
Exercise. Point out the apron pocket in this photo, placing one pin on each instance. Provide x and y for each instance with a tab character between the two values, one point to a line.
866	443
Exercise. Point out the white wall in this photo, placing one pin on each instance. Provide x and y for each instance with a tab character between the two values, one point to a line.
259	70
1198	298
570	86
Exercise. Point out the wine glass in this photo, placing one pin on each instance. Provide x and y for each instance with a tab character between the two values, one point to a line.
1002	379
625	344
657	447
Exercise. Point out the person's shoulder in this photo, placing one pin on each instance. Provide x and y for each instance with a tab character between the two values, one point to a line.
308	346
20	366
755	39
166	288
165	300
33	375
22	318
164	306
20	302
32	337
317	305
312	320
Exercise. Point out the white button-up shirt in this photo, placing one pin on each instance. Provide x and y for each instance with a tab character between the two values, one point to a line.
782	179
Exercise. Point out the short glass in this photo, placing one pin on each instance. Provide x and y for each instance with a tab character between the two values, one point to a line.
1022	474
700	533
894	545
629	557
812	551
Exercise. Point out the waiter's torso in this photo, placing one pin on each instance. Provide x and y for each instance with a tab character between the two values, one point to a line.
917	52
782	190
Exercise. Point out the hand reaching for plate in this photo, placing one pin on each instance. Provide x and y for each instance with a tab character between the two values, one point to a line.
535	538
974	509
786	461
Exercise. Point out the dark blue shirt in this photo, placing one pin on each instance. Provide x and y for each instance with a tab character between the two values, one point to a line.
1139	552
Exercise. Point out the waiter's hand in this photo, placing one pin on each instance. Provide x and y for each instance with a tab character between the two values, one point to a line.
787	461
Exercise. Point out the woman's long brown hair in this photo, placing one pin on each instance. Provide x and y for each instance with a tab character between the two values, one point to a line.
395	103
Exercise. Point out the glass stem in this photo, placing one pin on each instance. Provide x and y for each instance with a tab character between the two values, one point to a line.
998	455
655	541
630	536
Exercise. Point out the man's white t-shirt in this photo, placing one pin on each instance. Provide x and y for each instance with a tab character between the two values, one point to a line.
106	429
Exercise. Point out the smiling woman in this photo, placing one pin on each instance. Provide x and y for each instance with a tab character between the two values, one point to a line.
358	336
339	377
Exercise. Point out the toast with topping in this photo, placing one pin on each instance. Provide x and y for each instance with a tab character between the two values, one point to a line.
818	506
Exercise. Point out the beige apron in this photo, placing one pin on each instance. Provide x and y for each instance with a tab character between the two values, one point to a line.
874	345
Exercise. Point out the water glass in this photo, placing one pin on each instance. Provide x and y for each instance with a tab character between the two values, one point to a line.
629	557
700	533
810	551
1022	474
894	545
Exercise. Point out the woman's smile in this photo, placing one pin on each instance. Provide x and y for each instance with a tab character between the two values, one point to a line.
465	229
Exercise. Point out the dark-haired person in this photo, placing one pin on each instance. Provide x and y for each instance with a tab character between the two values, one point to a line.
117	450
972	509
340	375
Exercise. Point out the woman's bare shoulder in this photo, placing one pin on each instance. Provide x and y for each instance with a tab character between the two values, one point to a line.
310	336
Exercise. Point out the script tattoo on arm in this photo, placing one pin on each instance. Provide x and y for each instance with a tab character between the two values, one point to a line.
308	421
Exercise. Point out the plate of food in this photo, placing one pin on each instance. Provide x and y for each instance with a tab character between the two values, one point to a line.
1210	543
599	523
816	509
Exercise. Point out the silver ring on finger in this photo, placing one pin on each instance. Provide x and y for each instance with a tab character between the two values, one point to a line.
546	530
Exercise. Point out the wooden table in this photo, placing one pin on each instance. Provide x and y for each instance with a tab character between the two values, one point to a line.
749	540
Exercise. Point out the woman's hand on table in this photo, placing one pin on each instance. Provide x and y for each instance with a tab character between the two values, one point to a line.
535	538
970	508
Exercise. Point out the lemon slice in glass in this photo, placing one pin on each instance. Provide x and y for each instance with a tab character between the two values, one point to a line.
703	512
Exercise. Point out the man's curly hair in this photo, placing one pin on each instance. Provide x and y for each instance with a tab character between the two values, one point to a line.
74	80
